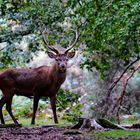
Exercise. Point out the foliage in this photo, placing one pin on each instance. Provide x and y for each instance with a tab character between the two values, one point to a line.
112	29
26	18
69	102
65	97
109	29
111	34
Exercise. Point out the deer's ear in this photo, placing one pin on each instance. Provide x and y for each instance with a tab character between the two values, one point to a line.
70	54
51	55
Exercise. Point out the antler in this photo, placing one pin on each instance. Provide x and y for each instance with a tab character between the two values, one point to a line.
75	41
45	41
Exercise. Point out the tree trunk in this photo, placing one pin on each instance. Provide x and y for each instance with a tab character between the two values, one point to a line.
98	124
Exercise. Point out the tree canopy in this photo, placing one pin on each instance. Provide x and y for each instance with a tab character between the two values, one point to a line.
110	29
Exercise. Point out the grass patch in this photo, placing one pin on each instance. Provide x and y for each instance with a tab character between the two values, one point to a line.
26	122
118	134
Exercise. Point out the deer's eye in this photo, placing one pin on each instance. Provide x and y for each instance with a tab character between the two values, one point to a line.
57	59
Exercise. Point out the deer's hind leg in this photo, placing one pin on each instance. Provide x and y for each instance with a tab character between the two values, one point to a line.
8	99
9	109
2	102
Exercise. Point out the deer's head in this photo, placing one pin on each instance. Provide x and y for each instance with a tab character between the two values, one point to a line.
62	58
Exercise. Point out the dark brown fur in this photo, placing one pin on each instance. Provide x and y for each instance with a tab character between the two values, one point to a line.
37	82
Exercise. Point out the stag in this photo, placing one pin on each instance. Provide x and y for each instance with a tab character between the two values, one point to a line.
37	82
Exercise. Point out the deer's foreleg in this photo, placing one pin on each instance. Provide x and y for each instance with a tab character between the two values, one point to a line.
2	102
53	105
35	106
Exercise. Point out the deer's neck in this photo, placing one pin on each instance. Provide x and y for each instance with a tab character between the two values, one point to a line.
58	76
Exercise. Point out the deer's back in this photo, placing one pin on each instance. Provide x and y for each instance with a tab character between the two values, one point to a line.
23	79
29	81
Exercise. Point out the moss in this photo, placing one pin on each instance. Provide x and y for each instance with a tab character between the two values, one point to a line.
118	134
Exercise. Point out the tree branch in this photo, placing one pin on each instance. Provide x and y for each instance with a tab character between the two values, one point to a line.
112	86
125	83
115	82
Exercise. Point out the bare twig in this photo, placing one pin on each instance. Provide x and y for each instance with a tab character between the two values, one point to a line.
112	86
115	82
125	83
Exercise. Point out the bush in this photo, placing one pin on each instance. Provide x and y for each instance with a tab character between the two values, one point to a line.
70	105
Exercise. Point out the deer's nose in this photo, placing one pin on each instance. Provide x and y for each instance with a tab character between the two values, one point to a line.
62	66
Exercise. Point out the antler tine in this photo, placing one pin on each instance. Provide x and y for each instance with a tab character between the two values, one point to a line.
45	41
75	41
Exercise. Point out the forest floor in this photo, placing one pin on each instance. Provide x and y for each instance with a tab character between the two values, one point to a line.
56	133
61	131
39	133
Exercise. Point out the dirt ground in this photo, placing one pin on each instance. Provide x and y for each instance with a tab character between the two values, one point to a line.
37	133
54	133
